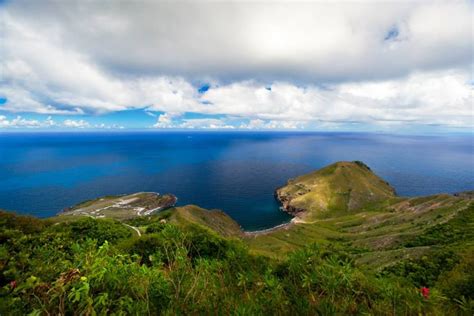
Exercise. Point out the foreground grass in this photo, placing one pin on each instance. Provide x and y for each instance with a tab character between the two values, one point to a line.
98	266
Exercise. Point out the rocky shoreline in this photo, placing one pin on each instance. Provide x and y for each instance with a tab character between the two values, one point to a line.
285	201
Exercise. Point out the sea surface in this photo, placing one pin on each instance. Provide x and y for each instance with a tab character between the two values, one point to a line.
42	173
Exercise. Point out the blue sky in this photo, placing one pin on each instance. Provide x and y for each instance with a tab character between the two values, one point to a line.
336	66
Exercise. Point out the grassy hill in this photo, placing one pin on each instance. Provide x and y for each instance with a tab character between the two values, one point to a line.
343	187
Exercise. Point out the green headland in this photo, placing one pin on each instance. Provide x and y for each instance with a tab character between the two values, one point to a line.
353	247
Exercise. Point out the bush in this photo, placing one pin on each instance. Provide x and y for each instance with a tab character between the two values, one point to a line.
99	229
25	224
459	282
98	267
426	270
454	230
203	243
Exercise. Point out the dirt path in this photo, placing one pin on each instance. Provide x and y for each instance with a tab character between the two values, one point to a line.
134	228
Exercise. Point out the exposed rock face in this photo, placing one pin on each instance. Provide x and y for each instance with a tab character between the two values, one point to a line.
342	186
285	200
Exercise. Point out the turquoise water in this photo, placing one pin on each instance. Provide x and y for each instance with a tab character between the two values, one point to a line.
237	172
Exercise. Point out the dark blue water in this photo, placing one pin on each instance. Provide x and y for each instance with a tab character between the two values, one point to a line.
42	173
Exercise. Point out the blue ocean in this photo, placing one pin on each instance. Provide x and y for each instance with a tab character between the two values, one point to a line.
42	173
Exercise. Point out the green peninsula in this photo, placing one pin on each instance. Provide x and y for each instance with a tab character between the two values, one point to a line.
123	206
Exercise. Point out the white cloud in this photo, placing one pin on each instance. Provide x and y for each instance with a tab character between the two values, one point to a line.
49	122
258	124
58	80
20	122
106	126
3	121
322	40
164	120
173	121
441	97
326	63
207	123
76	123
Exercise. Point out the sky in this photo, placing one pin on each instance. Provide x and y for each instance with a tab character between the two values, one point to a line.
401	66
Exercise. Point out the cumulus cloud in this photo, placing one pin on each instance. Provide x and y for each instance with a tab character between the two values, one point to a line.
207	123
175	122
20	122
164	120
76	123
323	40
259	124
58	80
272	65
107	126
426	98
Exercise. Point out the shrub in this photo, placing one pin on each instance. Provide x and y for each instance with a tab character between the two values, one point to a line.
459	282
426	270
99	229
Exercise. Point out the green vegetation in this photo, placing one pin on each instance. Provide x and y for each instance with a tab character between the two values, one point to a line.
355	248
459	228
64	269
426	270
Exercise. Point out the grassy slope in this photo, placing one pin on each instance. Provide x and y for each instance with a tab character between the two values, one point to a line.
215	220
